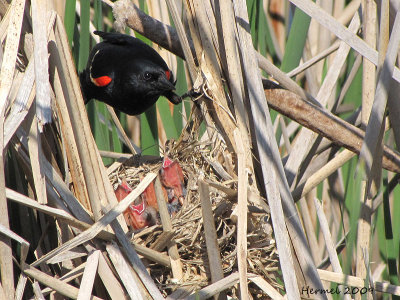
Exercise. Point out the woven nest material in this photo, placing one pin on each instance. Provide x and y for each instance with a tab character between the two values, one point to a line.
196	161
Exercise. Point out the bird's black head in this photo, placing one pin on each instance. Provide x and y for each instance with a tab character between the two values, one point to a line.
151	78
140	85
127	74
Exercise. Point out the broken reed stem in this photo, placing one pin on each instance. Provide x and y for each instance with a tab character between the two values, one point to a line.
50	281
148	253
135	261
6	78
97	227
323	173
121	130
210	234
215	288
130	280
274	179
36	155
184	41
242	216
353	281
79	122
67	135
391	161
320	56
323	122
368	92
100	191
266	287
176	263
330	246
87	281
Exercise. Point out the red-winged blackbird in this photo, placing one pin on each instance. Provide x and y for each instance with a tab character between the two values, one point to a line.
127	74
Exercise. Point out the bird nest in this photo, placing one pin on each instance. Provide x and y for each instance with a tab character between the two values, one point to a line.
200	162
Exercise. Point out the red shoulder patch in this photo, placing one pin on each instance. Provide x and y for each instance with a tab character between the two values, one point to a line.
168	74
101	81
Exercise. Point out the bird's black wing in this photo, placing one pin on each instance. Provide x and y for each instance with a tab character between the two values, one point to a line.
136	47
118	38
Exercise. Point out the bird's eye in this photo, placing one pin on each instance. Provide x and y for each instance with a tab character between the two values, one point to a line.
148	76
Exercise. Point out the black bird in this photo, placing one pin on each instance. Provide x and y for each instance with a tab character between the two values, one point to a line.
127	74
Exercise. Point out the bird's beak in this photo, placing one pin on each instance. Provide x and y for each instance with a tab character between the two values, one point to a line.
169	87
165	84
172	97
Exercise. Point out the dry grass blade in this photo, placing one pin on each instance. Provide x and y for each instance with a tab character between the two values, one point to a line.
214	257
268	153
68	137
56	187
325	123
276	186
79	122
348	12
266	287
215	105
309	229
135	261
37	291
368	92
5	13
375	128
97	227
24	244
25	95
176	263
111	283
43	100
10	53
36	155
326	20
215	288
323	54
71	275
125	272
339	61
85	289
152	255
283	78
330	246
306	138
233	66
56	284
358	282
19	290
68	255
121	130
99	189
58	213
229	53
183	39
6	77
323	173
242	216
235	229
